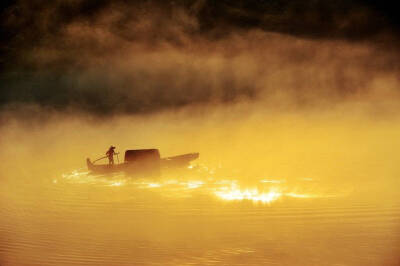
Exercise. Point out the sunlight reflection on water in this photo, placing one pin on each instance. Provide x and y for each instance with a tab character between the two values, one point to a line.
194	218
264	191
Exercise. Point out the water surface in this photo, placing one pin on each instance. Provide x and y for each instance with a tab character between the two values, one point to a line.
194	217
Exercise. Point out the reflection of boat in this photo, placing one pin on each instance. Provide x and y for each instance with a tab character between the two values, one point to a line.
146	162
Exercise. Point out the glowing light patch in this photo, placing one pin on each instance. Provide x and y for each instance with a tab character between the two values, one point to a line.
249	194
194	184
266	191
117	184
295	195
271	181
153	185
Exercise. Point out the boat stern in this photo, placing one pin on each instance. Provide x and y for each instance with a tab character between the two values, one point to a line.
89	164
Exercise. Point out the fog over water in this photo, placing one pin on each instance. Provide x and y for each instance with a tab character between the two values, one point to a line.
269	188
297	126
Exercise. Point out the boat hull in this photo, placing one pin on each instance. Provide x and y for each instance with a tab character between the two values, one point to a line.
145	163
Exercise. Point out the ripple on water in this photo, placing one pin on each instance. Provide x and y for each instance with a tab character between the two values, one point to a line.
80	219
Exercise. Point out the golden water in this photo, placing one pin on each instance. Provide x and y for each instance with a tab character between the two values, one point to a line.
313	198
196	218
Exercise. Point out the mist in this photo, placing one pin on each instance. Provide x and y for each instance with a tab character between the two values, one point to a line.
141	58
162	75
343	150
292	105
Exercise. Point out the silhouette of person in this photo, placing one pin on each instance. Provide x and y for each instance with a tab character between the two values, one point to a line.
110	154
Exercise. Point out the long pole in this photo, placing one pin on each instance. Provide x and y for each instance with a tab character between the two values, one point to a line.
100	159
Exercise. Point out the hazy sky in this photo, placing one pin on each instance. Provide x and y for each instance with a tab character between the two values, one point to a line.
107	57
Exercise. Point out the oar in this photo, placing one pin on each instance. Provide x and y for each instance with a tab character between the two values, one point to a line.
100	159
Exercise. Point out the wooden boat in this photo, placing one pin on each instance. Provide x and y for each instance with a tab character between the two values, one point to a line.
144	162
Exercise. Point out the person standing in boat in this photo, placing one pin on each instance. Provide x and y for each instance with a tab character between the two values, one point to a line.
110	154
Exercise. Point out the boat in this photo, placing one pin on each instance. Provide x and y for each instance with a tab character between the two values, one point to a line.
144	162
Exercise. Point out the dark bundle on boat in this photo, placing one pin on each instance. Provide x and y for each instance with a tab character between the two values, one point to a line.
143	162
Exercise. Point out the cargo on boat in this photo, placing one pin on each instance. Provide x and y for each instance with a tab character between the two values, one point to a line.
145	161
